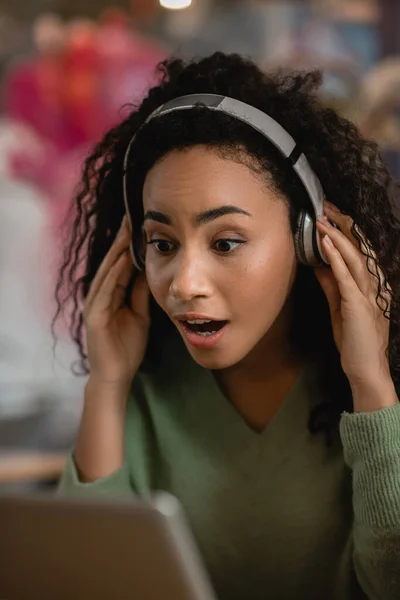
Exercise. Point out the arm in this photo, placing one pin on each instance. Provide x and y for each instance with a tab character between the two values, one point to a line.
116	341
98	461
371	444
371	436
99	450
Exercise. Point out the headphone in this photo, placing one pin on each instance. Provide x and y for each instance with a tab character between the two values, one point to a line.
306	239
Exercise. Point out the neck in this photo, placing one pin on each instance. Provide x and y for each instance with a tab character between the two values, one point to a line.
258	385
268	358
272	355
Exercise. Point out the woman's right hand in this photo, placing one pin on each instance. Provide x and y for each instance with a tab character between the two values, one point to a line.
116	334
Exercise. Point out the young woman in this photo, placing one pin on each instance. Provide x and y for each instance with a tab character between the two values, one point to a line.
243	357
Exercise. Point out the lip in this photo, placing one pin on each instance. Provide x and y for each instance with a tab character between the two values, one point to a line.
195	340
202	342
191	316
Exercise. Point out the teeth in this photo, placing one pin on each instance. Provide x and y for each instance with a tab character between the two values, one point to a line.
198	322
205	333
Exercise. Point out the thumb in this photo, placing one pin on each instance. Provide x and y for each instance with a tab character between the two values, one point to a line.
327	281
140	298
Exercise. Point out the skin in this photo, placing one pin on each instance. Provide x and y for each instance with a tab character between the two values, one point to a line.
249	282
250	286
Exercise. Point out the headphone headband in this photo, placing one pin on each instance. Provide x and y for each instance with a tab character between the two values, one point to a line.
258	120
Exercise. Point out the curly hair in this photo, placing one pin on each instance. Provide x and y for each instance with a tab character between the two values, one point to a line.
350	168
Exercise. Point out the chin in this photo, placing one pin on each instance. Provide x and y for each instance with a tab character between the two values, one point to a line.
214	360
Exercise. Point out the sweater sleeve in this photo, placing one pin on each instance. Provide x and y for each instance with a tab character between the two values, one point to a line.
122	481
371	443
116	484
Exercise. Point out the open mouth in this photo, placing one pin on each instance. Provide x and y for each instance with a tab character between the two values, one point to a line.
204	328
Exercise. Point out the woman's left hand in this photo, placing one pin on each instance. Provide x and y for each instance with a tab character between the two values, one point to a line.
360	328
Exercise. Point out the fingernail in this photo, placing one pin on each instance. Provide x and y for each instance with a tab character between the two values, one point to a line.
323	219
328	241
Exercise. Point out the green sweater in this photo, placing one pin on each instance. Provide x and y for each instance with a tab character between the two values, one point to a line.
276	515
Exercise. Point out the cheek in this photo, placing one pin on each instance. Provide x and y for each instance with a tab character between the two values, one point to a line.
277	264
268	278
156	280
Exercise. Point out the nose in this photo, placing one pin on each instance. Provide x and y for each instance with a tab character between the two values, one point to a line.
190	280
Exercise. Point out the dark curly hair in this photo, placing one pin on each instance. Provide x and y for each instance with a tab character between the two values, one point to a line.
350	168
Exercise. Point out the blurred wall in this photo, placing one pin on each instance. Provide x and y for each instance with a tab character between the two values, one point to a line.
28	9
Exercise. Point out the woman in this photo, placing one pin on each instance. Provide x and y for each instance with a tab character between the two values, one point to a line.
257	385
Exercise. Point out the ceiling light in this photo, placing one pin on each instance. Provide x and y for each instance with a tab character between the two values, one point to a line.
175	4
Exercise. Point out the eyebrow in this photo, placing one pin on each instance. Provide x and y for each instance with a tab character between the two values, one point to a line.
201	218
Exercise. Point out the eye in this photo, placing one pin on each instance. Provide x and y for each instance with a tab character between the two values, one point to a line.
162	246
226	245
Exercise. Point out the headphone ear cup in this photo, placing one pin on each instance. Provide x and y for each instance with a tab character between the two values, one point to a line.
298	239
305	242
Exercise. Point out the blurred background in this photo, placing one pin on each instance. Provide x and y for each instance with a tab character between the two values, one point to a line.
66	69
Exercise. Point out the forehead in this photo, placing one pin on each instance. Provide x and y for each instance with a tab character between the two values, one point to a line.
199	178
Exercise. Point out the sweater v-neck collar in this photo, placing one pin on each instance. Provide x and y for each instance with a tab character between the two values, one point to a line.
222	418
207	402
233	417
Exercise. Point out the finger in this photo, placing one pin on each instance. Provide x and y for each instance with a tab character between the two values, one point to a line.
364	266
119	245
126	275
140	299
330	288
122	283
333	213
346	283
355	261
105	295
346	224
376	274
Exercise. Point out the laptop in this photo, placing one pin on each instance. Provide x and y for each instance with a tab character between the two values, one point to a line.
98	549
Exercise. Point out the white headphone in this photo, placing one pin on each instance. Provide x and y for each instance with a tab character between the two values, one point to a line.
307	239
